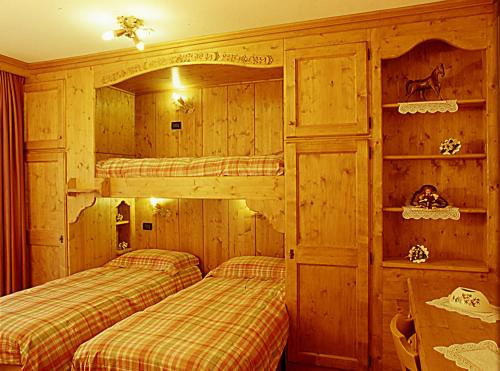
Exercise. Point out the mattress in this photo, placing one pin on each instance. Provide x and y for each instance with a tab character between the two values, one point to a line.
40	328
217	324
270	165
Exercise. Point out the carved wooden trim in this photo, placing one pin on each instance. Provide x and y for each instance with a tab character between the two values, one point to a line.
272	210
206	57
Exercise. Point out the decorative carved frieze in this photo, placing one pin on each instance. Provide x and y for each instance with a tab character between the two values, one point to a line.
155	63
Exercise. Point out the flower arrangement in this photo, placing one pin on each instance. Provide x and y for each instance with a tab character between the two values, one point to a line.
119	217
122	245
418	254
450	146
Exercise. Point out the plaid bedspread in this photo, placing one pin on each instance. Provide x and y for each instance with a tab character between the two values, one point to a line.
40	328
217	324
191	166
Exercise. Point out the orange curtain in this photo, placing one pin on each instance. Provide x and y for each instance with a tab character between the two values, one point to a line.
14	260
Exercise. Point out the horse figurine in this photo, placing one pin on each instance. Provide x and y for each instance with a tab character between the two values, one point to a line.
430	82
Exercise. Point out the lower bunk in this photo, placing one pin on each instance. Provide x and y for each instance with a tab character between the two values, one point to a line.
41	327
234	319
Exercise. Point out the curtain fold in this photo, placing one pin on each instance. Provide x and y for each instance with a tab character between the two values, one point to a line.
14	257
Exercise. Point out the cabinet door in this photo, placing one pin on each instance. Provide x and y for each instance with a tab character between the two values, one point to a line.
327	252
44	115
326	91
46	215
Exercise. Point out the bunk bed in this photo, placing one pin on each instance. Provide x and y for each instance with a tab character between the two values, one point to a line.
213	177
41	327
234	319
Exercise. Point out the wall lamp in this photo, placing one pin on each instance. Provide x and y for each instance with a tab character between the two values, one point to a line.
182	104
159	207
131	27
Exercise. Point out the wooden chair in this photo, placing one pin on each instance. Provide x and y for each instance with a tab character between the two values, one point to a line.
403	334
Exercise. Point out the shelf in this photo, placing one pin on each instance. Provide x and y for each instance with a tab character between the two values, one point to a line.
443	265
77	191
468	156
465	210
122	222
460	102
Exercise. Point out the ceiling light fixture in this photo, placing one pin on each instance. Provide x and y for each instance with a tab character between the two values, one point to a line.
130	26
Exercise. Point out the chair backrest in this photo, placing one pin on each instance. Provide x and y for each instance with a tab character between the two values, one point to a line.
402	329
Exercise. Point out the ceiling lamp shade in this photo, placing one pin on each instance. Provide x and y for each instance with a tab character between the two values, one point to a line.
130	27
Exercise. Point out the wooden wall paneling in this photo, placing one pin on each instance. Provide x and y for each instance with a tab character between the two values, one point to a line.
492	95
268	139
44	114
240	126
191	134
463	31
191	229
167	140
80	136
167	231
145	239
241	141
115	122
376	284
215	212
215	233
145	125
215	121
241	229
91	237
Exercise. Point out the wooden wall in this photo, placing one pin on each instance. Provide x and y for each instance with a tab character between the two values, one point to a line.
240	119
237	119
114	123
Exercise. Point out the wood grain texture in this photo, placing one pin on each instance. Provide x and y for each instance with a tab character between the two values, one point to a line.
44	114
114	122
326	90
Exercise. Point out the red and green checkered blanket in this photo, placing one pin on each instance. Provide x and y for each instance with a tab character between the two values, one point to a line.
40	328
217	324
268	165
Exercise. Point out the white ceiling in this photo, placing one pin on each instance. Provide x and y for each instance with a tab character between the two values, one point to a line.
41	30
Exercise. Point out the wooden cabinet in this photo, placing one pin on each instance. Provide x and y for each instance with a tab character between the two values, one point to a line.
46	214
326	90
327	252
44	114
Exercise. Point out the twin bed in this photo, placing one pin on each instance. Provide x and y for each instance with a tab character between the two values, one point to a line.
233	319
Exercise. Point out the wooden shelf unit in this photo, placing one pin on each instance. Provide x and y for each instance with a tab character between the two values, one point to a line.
461	102
443	265
124	226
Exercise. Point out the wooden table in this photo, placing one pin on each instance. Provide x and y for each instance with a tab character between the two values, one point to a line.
439	327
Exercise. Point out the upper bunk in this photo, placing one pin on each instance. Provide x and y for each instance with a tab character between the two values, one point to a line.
205	131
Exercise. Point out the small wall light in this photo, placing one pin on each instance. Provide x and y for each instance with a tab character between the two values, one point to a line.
159	207
182	103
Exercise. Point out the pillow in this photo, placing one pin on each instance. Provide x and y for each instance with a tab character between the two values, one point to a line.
260	267
167	261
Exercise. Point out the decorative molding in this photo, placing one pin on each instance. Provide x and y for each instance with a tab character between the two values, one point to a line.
155	63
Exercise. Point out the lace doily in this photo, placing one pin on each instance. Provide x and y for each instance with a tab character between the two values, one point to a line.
489	317
431	106
483	356
448	212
